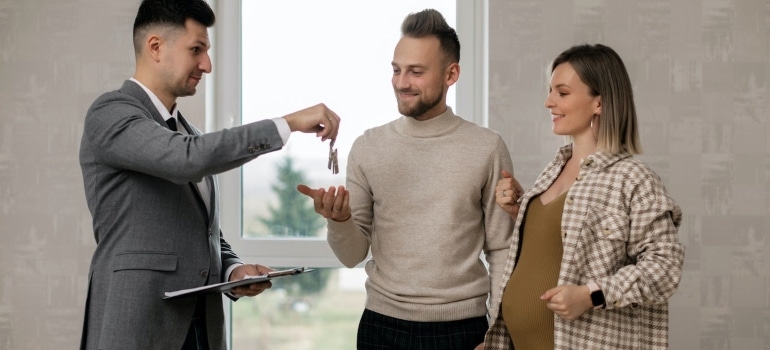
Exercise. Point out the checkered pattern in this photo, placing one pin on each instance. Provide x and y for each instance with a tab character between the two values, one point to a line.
619	228
378	331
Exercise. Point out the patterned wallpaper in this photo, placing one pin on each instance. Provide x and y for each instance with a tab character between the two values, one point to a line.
56	57
701	73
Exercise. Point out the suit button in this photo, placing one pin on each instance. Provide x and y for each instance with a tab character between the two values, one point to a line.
607	232
204	273
569	200
578	178
252	149
564	233
618	304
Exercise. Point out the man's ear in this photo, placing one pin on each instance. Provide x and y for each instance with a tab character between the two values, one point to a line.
452	73
153	45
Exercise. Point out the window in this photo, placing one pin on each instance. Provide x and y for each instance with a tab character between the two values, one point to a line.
291	55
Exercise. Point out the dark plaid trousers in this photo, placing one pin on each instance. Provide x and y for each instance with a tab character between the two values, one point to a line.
379	332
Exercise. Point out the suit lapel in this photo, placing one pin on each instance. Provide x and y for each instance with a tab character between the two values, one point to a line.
210	181
134	90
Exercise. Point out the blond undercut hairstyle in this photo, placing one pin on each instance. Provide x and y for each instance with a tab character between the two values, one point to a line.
602	69
430	22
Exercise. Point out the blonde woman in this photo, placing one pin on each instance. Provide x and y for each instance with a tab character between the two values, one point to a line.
595	255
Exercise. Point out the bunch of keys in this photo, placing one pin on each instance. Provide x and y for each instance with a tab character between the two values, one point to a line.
333	165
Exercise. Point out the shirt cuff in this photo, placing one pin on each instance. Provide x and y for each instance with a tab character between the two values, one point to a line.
283	129
227	278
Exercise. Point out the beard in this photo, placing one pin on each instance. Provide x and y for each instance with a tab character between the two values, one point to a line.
184	90
420	107
178	87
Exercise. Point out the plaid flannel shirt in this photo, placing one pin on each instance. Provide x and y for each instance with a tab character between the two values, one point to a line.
619	229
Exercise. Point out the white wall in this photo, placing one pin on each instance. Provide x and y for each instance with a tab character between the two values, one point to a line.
56	57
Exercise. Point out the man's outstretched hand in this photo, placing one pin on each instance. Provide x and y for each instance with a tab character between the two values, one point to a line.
333	203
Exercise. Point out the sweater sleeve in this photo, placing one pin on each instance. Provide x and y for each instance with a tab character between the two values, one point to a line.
498	225
350	240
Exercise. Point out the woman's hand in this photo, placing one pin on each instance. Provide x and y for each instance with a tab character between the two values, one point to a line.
507	194
568	301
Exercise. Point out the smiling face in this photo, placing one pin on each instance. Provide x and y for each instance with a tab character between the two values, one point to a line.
421	77
572	104
185	59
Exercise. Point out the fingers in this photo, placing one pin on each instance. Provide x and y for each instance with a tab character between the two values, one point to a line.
330	131
304	189
317	119
507	202
549	293
333	203
251	290
552	302
568	301
251	270
326	122
242	270
262	270
317	196
507	194
517	186
336	204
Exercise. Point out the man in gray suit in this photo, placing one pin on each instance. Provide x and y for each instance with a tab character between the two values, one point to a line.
151	190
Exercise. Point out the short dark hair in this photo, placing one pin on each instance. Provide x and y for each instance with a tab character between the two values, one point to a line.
430	22
172	13
602	69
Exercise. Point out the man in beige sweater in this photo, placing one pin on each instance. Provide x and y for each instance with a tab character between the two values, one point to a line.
421	195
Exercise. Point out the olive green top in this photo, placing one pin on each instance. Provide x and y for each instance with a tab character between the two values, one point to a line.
529	322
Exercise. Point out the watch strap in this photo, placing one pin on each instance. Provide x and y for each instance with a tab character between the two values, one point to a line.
597	296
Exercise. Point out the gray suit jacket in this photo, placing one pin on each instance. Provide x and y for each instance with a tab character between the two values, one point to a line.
152	229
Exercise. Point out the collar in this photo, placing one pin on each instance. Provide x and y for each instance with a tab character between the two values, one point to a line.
157	103
439	125
597	160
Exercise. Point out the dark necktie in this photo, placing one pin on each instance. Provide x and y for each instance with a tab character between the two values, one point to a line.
171	123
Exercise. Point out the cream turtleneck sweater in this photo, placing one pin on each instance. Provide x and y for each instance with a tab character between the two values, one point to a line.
422	195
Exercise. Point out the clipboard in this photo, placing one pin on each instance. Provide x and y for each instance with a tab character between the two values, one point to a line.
227	286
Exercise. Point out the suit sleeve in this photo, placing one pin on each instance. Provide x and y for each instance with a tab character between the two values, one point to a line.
126	137
228	256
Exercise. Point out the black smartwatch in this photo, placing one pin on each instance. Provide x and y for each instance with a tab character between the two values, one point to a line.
597	296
